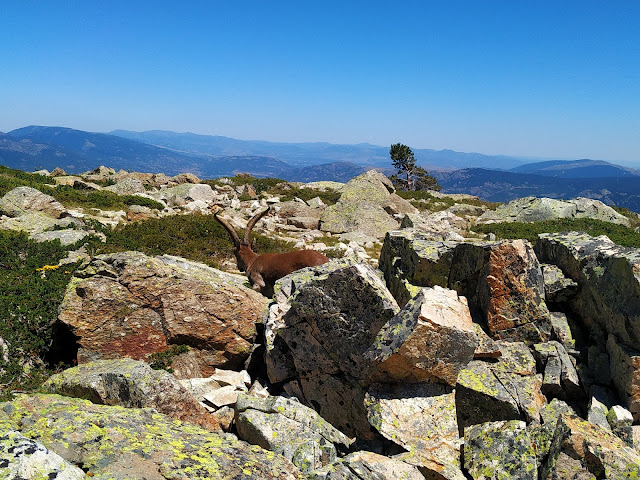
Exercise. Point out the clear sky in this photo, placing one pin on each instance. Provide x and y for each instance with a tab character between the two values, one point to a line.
557	79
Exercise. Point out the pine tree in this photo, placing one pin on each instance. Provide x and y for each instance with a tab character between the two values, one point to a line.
409	176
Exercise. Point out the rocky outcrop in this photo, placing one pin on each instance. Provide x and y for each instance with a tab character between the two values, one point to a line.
131	305
470	359
115	442
583	450
22	200
336	340
366	205
533	209
607	303
41	216
502	280
317	338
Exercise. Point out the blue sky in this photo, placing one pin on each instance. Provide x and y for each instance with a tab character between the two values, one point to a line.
556	79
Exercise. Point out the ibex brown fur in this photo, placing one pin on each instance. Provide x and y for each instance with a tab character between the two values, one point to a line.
263	270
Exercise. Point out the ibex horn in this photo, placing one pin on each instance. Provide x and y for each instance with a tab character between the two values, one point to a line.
251	224
229	228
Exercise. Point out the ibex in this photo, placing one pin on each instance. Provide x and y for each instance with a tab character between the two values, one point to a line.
263	270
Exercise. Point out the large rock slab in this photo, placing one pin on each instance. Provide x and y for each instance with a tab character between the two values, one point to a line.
511	294
318	332
580	447
185	193
430	340
500	450
116	442
23	458
422	419
290	429
532	209
131	305
133	384
127	186
23	200
366	205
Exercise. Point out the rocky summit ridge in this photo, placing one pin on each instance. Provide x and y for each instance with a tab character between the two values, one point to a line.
422	350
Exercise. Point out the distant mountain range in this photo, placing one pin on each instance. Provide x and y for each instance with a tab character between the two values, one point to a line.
499	186
496	178
576	169
303	154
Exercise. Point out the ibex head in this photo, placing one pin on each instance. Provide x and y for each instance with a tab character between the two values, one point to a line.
243	251
263	270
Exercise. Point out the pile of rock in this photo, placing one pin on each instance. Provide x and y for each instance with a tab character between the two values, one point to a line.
457	359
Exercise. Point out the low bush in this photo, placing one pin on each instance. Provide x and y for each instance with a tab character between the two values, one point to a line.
142	201
32	287
11	178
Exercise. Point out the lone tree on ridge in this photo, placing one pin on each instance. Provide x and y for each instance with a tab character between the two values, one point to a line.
409	176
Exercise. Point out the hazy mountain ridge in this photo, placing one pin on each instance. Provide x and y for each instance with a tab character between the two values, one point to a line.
497	186
584	168
301	154
77	151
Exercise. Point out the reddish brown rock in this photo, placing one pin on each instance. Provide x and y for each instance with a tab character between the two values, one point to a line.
511	294
131	305
430	340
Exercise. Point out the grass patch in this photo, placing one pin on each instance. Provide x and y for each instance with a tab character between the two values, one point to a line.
617	233
32	287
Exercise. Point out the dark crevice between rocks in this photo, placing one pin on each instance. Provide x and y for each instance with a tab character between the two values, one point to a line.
64	347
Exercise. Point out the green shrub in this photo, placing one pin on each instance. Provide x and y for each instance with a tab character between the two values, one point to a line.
617	233
259	184
142	201
10	179
72	198
32	287
163	360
